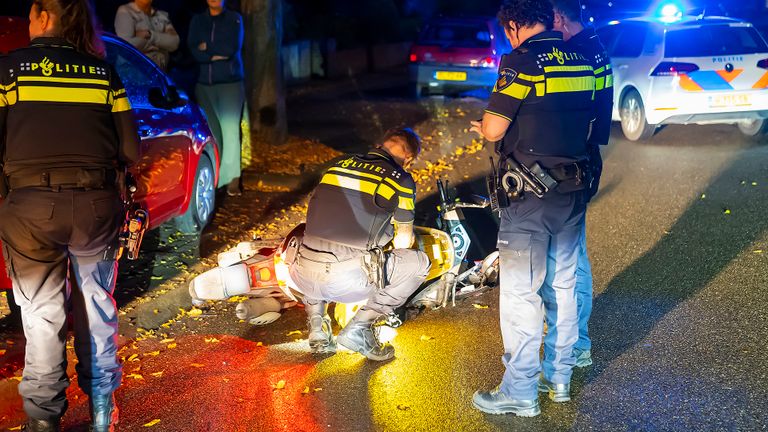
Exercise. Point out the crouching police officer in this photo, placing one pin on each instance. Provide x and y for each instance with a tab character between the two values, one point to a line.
66	130
361	204
585	40
540	110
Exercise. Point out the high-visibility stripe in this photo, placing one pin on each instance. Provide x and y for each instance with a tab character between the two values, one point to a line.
531	78
600	83
406	203
517	91
398	187
8	87
609	81
121	104
608	67
11	98
385	191
353	172
575	84
62	94
600	70
349	183
63	80
548	69
497	114
119	92
541	89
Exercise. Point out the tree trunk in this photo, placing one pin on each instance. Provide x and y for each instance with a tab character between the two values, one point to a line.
263	21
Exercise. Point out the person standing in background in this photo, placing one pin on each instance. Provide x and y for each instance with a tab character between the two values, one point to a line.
215	40
148	29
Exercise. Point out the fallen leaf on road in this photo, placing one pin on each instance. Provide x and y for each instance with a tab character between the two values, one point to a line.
727	211
294	333
2	352
426	338
16	378
480	306
156	278
152	423
211	340
317	389
305	391
195	312
197	365
15	428
703	196
403	407
167	340
754	183
758	251
172	345
157	374
133	357
279	386
153	353
135	376
258	344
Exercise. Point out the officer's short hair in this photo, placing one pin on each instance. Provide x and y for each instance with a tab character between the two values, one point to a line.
407	136
571	9
526	13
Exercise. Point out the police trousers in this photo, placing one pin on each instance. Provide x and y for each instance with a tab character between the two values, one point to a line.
50	238
538	249
406	270
583	293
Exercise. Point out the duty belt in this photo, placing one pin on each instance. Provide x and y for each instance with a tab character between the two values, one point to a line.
70	178
318	261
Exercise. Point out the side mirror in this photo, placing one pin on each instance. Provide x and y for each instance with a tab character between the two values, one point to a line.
169	99
157	97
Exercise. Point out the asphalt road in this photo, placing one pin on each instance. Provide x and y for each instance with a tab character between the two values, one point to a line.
679	249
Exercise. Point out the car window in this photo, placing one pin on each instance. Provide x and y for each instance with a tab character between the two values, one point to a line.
136	72
464	35
608	36
713	40
629	41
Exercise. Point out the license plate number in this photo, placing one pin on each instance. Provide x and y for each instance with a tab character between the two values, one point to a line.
451	76
729	101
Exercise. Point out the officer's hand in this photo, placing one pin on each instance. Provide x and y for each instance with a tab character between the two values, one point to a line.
477	127
203	46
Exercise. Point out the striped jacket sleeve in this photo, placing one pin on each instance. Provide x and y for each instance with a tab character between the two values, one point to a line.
125	123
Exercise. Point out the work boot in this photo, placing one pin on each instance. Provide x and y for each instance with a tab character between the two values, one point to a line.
557	392
104	413
321	334
361	336
583	358
496	402
34	425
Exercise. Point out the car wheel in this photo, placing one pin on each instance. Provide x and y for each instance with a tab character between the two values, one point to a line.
633	120
754	128
202	201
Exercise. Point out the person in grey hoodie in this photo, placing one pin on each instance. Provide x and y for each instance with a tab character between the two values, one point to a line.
148	29
215	40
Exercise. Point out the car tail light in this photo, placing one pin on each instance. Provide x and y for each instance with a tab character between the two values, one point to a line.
763	64
674	69
413	58
488	62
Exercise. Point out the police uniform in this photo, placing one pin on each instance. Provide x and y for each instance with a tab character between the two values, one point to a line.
65	130
546	91
350	213
588	43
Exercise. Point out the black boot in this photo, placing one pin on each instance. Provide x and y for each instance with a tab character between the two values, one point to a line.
103	413
33	425
362	335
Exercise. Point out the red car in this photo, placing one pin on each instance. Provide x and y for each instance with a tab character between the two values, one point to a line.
178	171
457	53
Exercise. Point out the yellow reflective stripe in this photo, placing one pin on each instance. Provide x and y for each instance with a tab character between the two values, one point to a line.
497	114
406	203
531	78
517	91
398	187
541	89
599	70
575	84
8	87
353	172
64	80
609	81
11	98
600	83
608	66
62	94
349	183
119	92
121	104
548	69
385	191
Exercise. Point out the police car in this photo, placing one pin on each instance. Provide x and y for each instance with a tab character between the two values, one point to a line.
671	69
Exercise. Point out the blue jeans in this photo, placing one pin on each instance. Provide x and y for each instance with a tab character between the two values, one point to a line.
583	293
538	248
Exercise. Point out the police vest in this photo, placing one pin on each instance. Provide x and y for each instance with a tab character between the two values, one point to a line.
358	198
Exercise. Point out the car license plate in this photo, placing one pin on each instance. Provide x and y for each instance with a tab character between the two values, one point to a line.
730	101
451	76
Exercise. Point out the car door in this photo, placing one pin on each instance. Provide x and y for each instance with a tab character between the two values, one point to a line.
165	141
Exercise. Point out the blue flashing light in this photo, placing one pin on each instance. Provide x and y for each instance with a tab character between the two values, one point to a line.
669	13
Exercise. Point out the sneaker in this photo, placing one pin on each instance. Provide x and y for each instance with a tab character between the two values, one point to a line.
583	358
362	337
557	392
496	402
321	335
233	188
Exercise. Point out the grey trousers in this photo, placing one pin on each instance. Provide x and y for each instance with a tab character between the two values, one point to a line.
223	105
406	270
50	238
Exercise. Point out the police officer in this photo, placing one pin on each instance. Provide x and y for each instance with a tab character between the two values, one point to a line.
540	110
361	203
585	40
66	130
